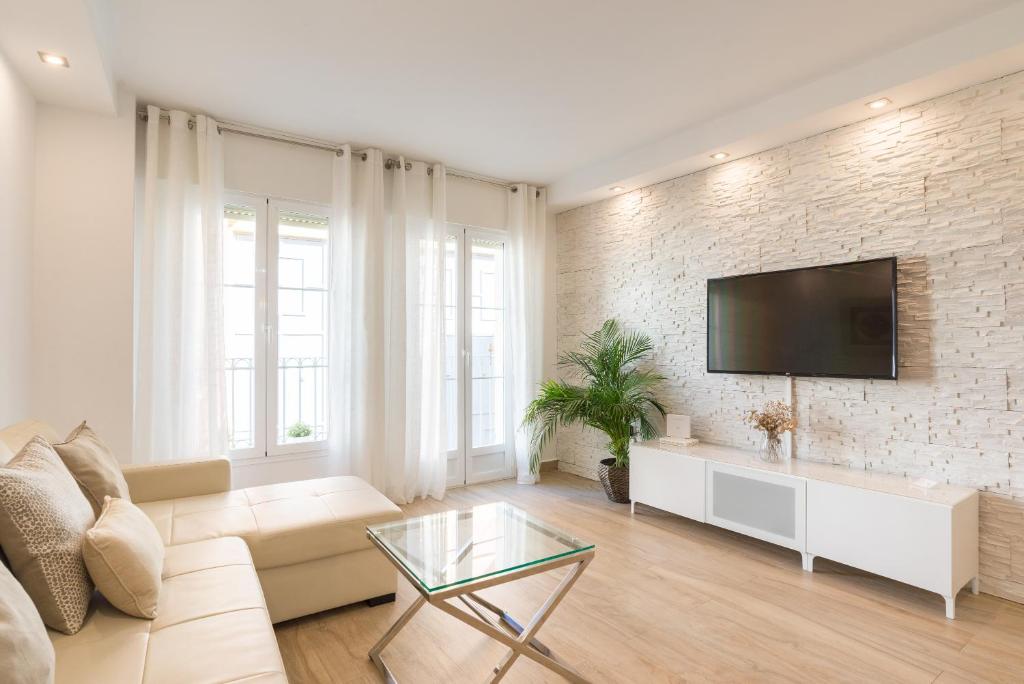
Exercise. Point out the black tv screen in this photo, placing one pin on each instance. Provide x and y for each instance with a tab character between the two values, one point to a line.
831	321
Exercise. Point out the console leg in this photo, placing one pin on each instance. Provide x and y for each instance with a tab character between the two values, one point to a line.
632	507
380	600
950	607
808	562
975	586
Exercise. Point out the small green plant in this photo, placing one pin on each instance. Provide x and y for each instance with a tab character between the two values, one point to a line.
299	430
616	394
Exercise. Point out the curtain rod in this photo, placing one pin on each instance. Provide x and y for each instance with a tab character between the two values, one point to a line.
389	163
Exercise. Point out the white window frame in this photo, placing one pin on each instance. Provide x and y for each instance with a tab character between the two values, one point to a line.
267	246
457	458
258	205
462	474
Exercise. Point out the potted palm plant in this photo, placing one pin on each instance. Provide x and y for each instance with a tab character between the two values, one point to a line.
615	396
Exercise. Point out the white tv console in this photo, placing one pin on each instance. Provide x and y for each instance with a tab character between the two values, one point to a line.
876	522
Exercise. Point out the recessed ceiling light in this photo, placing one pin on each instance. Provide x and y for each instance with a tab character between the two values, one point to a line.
617	188
720	155
879	103
54	60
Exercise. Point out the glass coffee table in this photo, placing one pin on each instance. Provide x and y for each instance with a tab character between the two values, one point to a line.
450	556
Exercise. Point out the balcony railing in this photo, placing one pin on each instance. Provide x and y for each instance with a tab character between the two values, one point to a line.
302	401
241	394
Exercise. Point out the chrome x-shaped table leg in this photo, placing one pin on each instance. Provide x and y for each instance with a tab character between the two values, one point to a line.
504	628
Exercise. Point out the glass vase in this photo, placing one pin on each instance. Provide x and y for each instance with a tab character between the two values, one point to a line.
770	450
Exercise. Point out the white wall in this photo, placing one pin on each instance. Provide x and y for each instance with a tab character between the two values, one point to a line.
78	265
17	139
82	271
277	169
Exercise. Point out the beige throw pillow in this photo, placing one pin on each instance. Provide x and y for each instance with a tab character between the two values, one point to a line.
43	520
26	654
125	558
93	466
5	453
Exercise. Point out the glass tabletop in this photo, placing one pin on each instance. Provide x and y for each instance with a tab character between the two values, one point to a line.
442	550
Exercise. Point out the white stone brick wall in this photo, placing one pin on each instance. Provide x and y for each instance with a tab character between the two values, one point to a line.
940	185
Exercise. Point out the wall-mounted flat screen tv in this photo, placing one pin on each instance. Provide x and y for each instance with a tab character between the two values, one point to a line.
826	321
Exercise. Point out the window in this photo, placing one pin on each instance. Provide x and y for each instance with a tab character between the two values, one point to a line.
477	394
276	276
487	340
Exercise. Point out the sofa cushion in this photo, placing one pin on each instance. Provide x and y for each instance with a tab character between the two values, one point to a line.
125	558
211	626
283	524
43	519
16	436
26	655
93	466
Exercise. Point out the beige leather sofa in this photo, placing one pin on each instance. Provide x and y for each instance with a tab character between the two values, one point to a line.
236	562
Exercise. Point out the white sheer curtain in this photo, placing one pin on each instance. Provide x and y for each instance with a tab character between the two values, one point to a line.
527	209
387	324
179	376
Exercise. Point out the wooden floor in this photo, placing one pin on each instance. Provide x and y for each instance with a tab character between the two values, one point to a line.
670	600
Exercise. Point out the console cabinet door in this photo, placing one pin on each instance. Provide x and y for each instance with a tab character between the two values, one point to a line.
894	536
669	481
765	505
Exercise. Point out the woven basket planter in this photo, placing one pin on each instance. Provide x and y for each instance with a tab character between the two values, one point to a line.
614	480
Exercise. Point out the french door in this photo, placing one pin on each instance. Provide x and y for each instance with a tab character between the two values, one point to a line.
276	273
477	386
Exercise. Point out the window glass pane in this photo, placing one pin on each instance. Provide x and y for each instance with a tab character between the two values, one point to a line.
239	253
451	340
487	341
302	325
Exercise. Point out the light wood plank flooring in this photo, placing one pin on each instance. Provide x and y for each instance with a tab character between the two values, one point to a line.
670	600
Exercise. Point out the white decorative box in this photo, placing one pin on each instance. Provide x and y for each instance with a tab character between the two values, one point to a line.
677	426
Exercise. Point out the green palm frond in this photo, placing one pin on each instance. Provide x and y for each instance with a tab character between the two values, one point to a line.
615	394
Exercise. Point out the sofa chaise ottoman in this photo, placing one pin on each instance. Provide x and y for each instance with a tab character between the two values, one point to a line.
236	562
307	539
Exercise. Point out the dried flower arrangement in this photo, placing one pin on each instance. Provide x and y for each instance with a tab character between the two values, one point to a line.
774	419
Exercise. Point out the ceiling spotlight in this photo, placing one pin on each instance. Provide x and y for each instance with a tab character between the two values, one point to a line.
879	103
617	188
720	155
54	60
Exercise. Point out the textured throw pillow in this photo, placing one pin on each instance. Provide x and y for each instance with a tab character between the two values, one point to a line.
26	654
125	558
43	519
93	466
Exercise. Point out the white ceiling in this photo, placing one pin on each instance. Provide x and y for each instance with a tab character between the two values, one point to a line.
68	28
576	94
